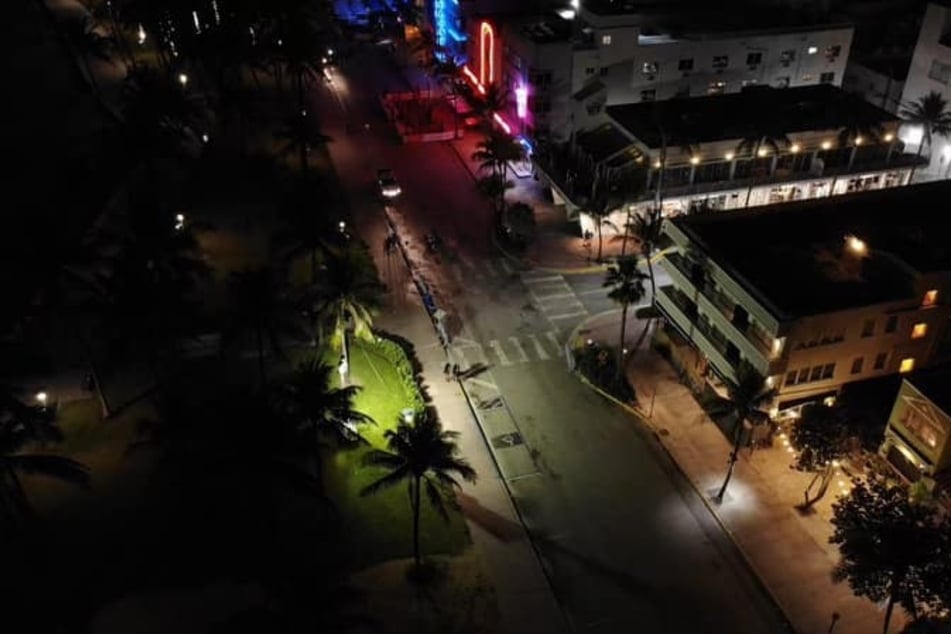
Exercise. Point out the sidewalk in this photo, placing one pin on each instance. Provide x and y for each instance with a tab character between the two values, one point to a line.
788	550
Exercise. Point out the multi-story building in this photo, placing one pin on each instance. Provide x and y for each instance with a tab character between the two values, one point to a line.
643	54
918	436
827	142
812	294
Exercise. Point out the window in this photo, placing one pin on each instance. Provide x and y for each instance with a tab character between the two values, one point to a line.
716	87
782	82
812	50
685	64
791	378
919	330
833	52
720	62
803	375
826	78
857	364
868	328
606	40
892	324
907	365
931	297
589	70
649	68
922	428
880	359
603	71
752	59
786	57
807	77
828	371
648	95
940	72
816	373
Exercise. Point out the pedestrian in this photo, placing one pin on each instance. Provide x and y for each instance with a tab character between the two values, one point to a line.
455	371
446	370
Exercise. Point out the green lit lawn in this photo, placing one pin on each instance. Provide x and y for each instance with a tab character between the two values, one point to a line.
380	527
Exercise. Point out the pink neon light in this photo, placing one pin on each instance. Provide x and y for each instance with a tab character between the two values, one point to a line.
502	123
475	80
521	101
486	54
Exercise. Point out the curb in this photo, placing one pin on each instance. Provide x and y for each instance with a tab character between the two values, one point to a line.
642	420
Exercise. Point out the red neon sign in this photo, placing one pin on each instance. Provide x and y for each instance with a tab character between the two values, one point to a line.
486	53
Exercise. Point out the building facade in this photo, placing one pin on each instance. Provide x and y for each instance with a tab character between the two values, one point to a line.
813	295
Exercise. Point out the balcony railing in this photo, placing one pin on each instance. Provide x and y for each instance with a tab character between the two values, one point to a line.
710	341
725	306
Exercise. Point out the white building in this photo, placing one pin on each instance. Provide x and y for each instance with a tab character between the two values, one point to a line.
644	55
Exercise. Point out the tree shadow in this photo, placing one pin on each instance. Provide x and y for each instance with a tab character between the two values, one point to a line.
499	527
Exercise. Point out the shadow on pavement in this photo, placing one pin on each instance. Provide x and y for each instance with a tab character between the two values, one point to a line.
496	525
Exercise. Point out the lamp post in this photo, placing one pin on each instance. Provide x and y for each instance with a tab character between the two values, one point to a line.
41	398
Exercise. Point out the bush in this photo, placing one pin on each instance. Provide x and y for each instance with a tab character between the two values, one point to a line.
518	223
598	364
402	356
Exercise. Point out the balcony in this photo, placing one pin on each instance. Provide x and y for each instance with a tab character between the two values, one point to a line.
712	343
721	310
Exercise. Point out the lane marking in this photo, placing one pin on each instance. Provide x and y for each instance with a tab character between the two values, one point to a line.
568	315
603	291
506	266
521	351
539	349
543	298
499	352
553	337
541	279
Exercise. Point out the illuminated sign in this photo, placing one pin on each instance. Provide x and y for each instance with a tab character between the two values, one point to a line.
498	119
521	101
486	54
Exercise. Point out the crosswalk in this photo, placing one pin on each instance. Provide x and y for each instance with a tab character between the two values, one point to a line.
554	298
509	351
486	270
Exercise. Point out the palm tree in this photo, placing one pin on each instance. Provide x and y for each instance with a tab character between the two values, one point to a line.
493	153
21	425
772	140
263	307
449	72
89	43
347	296
859	129
305	228
746	397
626	282
931	113
319	410
424	455
298	133
495	99
607	194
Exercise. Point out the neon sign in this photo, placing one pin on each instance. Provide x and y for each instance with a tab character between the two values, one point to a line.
486	53
521	101
498	119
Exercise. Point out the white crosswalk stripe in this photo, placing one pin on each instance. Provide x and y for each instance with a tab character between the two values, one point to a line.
522	357
499	352
539	349
553	337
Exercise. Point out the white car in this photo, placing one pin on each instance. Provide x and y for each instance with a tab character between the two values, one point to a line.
389	188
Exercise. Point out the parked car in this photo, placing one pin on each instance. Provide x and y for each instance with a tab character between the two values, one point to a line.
389	187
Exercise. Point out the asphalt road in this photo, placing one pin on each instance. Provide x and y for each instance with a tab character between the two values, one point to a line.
625	540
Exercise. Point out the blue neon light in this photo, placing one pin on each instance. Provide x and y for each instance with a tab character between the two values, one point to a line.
446	19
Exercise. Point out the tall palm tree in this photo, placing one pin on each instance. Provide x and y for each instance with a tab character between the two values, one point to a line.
319	411
306	228
20	426
747	398
626	282
648	227
495	99
931	113
263	307
606	195
772	140
89	43
347	296
493	154
422	454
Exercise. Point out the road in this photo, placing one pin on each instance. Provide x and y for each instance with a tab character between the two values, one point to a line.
627	543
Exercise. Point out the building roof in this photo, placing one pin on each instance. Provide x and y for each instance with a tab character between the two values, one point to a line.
602	142
935	384
546	29
750	112
793	258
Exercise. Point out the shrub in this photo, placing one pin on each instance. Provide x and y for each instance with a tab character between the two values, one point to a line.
599	365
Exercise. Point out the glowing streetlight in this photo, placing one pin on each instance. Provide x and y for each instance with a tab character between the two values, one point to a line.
856	245
343	226
141	35
762	152
889	137
729	156
859	140
41	398
179	222
183	79
826	145
657	165
694	160
794	148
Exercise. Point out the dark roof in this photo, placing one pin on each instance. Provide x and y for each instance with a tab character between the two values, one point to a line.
792	256
602	142
545	30
752	111
935	384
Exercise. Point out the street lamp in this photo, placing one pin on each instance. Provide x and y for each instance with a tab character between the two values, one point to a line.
41	398
204	138
141	35
856	245
179	222
183	79
408	415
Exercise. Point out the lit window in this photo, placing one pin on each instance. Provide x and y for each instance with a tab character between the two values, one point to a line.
930	298
919	330
812	50
907	364
606	40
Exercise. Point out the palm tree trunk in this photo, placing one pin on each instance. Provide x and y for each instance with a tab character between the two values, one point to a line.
600	239
889	607
620	349
734	454
415	494
104	407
